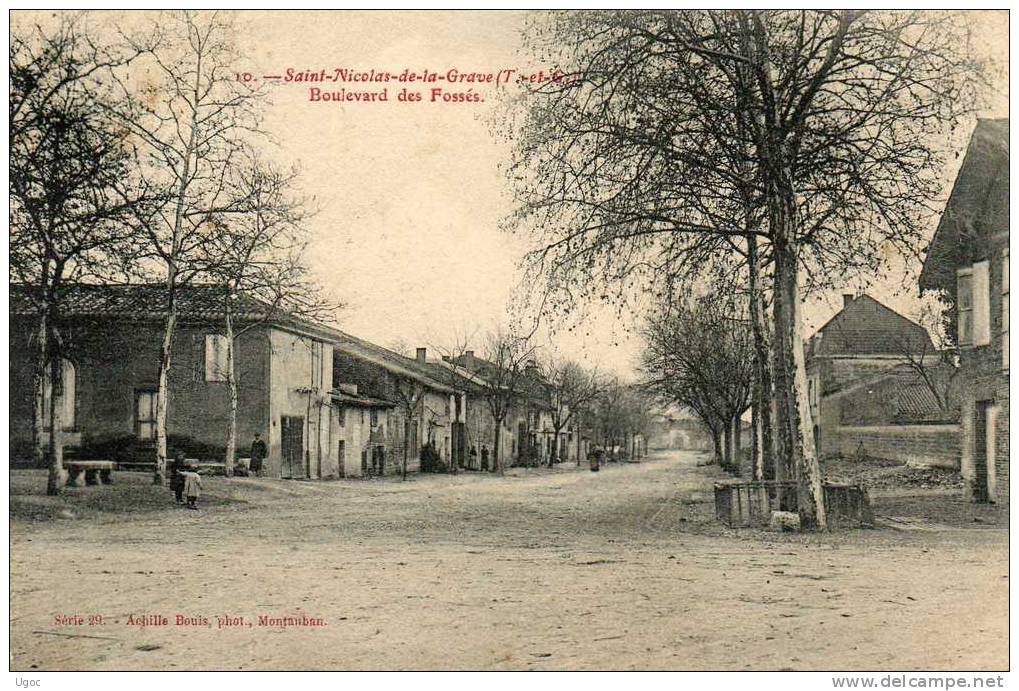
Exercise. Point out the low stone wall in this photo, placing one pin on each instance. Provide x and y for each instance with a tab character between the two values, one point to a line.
917	445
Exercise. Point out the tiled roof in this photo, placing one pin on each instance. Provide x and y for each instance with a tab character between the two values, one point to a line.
898	396
205	302
917	404
866	327
360	401
529	384
147	301
391	361
977	207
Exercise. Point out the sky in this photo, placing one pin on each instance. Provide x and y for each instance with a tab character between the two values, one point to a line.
410	196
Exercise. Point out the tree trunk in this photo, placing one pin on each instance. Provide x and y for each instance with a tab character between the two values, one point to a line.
717	441
764	451
799	437
726	445
497	451
407	420
231	374
162	394
39	376
757	439
56	442
737	445
576	426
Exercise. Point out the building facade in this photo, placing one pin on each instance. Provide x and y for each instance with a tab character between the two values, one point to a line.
111	349
967	262
862	345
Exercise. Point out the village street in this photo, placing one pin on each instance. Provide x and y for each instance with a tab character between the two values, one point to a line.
564	569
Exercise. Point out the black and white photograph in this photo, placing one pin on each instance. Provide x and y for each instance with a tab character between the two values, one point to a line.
554	340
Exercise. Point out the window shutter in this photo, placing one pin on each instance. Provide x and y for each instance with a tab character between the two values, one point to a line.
215	357
210	358
1004	309
981	304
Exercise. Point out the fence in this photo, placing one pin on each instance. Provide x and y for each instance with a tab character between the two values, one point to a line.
743	503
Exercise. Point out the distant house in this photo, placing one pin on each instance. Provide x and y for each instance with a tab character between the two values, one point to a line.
431	405
968	262
679	430
865	398
112	336
528	436
363	445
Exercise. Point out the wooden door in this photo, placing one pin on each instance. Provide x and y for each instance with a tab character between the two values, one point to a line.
292	447
980	490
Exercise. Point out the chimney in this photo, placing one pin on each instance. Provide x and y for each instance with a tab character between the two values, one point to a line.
348	388
422	354
846	299
468	359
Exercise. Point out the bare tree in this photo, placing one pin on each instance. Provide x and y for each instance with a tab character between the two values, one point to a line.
569	388
192	121
71	210
701	357
506	356
934	362
830	123
259	253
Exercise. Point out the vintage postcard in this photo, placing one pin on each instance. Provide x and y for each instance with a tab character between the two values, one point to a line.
514	340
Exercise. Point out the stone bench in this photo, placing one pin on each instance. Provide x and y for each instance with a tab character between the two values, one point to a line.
88	472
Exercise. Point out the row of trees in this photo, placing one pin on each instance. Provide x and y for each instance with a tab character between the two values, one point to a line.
776	152
136	158
512	376
699	355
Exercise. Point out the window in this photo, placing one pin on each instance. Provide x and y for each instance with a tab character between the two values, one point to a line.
217	364
65	392
145	415
1004	309
316	364
374	418
341	415
964	306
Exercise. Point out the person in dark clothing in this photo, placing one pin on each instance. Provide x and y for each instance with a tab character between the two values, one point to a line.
484	457
177	467
258	452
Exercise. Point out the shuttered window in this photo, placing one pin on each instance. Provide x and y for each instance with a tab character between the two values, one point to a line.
964	306
216	362
1004	309
65	393
145	414
981	304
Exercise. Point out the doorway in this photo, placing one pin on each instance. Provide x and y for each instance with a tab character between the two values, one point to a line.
292	451
980	455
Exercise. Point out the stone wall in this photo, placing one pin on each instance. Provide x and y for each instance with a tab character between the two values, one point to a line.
918	445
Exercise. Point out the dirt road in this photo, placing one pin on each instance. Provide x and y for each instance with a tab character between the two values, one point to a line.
622	569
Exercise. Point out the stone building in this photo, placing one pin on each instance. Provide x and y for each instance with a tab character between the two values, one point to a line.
432	406
111	343
967	261
865	398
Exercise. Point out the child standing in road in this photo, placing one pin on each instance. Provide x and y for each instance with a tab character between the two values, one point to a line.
192	487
